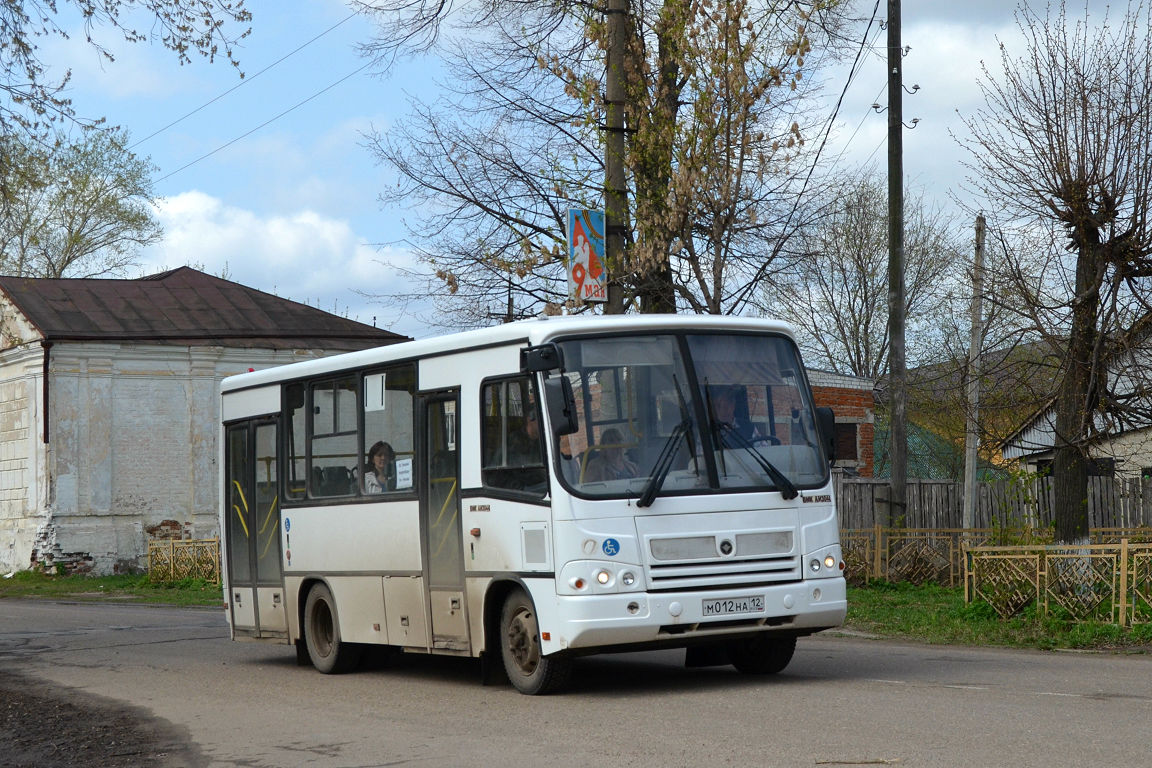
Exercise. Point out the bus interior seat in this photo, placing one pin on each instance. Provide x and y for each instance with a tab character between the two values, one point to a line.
333	481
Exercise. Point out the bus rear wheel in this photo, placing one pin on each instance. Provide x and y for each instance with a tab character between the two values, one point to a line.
528	669
329	654
762	654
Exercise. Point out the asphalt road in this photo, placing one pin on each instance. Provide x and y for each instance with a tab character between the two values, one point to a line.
843	701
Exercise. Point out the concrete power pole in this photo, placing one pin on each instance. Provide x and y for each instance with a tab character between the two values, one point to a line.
615	180
971	435
897	373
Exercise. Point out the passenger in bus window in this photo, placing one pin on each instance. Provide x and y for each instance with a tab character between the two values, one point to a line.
380	471
524	447
726	421
610	463
724	415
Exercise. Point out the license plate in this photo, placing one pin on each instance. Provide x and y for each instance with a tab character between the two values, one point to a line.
727	605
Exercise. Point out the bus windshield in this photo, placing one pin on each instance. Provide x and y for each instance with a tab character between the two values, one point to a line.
669	413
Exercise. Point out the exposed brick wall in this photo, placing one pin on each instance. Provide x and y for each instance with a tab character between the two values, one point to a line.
852	406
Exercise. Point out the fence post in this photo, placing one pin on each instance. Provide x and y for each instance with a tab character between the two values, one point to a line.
876	535
966	565
1123	618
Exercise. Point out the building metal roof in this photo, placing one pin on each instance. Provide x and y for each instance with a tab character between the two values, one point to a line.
182	306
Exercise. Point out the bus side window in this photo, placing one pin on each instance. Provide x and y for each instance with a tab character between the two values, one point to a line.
512	446
389	419
296	439
333	435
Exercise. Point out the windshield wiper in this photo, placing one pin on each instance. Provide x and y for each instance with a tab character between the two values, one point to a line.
664	463
787	490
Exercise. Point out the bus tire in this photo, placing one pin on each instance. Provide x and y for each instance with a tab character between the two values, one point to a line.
762	654
329	654
528	669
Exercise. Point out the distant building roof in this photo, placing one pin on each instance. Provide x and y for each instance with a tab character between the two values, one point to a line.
822	378
182	306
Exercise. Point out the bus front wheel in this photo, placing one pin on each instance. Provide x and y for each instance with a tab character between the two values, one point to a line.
528	669
762	654
329	654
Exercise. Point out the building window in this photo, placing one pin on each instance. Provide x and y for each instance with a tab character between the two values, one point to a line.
1101	467
846	443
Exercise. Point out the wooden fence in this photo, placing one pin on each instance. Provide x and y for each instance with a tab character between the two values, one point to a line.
1108	583
1112	503
936	555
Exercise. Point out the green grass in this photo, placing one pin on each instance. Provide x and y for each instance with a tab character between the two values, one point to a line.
939	615
928	614
136	589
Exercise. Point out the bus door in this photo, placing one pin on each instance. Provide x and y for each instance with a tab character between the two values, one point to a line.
255	576
440	521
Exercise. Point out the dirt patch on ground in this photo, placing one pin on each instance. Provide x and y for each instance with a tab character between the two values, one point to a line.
43	725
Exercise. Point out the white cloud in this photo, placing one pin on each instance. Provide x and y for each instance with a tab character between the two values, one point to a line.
303	256
944	60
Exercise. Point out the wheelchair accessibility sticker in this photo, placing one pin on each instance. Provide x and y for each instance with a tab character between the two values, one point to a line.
611	547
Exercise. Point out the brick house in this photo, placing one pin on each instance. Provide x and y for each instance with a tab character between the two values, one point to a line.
853	401
109	406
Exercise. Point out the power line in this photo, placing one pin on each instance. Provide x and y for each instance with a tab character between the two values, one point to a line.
266	122
875	150
245	81
828	130
839	102
859	125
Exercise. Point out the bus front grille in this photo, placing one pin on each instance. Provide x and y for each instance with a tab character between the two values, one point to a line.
723	572
709	559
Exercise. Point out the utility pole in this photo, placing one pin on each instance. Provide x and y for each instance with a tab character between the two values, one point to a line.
897	373
615	181
971	436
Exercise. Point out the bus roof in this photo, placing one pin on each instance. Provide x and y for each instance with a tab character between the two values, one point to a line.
534	331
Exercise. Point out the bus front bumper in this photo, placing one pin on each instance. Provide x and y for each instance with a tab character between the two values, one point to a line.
682	618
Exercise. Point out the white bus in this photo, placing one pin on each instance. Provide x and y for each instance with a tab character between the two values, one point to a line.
536	491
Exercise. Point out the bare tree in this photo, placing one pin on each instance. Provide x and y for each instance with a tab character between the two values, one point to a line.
78	209
837	296
28	101
1061	152
715	139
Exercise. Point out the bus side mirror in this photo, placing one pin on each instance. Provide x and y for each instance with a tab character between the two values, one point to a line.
826	425
544	358
561	405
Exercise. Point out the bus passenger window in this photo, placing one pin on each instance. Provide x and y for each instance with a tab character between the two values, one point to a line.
387	445
333	458
511	438
296	450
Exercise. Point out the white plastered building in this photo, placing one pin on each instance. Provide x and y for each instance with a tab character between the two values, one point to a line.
109	407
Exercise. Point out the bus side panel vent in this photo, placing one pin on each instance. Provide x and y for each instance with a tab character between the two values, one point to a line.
534	537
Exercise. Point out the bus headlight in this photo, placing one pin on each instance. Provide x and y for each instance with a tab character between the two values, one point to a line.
826	563
581	577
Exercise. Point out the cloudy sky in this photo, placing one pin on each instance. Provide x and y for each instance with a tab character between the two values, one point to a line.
270	182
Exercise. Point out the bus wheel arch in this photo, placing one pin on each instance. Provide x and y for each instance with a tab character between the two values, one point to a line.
320	626
490	656
529	670
301	644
